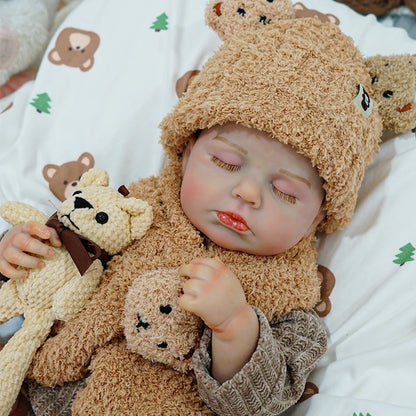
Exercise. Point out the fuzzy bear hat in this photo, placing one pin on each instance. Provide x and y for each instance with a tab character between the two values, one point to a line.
306	84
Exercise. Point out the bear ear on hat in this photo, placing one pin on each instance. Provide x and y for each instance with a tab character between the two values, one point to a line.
183	83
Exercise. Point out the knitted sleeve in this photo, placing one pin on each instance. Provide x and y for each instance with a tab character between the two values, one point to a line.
275	377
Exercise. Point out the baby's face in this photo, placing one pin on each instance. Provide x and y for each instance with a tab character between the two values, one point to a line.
248	192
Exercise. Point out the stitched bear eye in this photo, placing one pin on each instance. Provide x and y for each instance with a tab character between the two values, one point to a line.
101	217
166	309
387	94
374	79
241	11
76	193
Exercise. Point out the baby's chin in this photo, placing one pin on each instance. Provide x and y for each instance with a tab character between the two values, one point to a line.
242	246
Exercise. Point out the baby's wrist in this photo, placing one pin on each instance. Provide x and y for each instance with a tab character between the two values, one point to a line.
231	326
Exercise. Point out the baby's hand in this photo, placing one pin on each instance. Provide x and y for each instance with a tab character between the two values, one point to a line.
25	245
212	292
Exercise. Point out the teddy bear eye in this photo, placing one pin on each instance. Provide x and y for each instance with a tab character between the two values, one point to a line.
270	1
241	11
166	309
374	79
387	94
76	193
101	217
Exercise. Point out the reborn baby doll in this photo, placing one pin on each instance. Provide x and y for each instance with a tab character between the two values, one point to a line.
268	144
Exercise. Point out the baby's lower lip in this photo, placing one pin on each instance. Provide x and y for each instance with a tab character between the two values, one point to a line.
233	220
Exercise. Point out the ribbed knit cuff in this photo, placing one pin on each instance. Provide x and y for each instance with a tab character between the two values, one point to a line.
274	378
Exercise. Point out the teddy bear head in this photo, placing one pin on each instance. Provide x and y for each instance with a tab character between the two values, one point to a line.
394	83
229	16
103	215
154	324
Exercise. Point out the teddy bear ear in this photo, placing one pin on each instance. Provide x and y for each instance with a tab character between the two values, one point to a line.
97	177
141	215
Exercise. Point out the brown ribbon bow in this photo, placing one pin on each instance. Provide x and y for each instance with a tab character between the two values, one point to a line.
82	250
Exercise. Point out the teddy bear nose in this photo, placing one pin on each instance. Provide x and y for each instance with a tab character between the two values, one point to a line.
141	324
163	345
81	203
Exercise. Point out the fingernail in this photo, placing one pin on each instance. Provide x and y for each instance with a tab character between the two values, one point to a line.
51	252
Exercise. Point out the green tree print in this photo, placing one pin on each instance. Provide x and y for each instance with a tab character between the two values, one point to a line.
361	414
161	23
406	254
41	103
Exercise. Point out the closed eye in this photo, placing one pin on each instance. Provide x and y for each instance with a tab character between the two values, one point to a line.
224	165
284	197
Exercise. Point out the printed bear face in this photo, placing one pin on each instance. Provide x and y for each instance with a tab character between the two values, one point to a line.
75	48
229	16
104	215
64	179
394	81
154	324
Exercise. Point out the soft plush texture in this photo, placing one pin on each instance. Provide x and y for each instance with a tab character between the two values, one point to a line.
370	365
59	290
24	35
393	79
231	16
338	139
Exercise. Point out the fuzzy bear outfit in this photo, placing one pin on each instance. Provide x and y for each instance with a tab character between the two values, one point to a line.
297	80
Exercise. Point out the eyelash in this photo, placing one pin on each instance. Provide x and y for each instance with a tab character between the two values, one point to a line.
225	165
285	197
234	168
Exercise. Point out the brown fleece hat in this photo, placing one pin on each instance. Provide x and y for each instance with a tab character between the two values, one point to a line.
300	80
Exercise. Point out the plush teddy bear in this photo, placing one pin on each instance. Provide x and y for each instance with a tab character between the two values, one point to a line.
94	223
160	338
24	33
230	16
378	7
394	84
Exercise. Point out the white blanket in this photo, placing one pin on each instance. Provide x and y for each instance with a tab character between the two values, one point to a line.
110	106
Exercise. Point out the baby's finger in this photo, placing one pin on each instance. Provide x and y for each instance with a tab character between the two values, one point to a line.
9	271
28	244
193	287
42	231
17	257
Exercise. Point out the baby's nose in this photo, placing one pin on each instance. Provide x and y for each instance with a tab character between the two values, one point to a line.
249	192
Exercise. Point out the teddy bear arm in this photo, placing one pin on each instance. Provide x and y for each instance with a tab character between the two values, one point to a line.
70	299
19	212
66	356
58	361
10	303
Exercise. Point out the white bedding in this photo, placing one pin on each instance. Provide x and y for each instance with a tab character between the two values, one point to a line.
112	111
